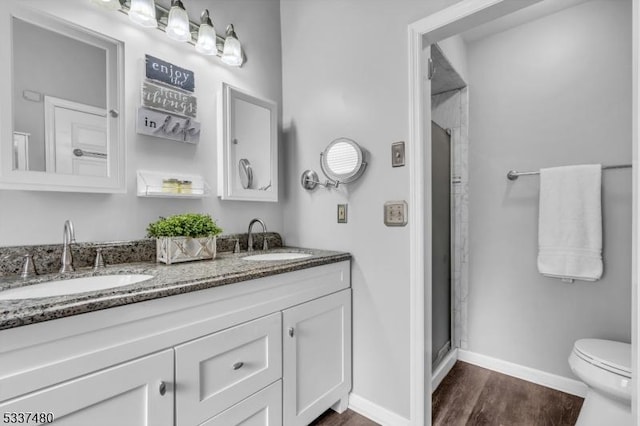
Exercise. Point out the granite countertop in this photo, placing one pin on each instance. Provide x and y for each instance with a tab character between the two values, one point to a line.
168	280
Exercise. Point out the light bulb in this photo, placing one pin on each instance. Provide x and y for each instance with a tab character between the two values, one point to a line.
109	4
178	23
232	52
206	43
143	12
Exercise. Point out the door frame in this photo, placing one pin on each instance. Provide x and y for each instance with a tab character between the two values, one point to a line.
445	23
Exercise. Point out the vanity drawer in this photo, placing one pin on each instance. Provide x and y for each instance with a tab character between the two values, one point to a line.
217	371
261	409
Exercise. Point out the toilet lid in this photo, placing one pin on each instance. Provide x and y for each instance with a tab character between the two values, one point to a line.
606	354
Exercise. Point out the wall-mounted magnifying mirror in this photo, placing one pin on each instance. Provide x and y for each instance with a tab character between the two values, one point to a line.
342	162
246	173
60	125
247	146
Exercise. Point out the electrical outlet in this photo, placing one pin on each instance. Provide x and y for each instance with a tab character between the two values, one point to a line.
395	213
342	213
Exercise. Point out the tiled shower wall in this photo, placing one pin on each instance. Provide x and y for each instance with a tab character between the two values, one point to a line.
450	111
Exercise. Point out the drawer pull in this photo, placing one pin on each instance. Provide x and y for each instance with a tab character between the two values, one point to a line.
163	388
291	332
238	365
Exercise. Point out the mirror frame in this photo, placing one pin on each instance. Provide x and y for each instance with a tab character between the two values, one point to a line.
115	182
226	164
352	176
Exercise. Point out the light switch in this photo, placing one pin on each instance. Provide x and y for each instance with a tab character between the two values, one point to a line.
397	154
342	213
395	213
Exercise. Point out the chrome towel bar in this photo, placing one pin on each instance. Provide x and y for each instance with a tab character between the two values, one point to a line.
514	174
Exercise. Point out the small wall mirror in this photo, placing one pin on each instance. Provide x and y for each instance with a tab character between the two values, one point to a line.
342	162
60	126
247	146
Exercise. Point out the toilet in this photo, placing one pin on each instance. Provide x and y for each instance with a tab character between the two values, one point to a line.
605	367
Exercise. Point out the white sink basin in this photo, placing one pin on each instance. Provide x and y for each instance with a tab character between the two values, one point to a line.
276	256
72	286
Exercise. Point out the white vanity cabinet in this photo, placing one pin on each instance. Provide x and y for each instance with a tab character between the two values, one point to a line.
217	371
222	356
316	357
261	409
136	393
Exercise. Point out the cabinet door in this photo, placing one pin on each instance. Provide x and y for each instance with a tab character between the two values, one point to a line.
263	408
217	371
128	394
316	357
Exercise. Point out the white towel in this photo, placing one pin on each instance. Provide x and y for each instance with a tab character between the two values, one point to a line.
570	223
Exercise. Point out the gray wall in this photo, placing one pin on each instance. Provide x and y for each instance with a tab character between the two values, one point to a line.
552	92
31	217
345	74
55	65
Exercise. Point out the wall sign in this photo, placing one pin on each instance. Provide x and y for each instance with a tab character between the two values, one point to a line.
170	100
165	72
167	126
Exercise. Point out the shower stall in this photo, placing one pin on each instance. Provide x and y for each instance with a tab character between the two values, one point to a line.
449	143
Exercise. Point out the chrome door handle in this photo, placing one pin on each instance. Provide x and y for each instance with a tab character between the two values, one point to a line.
238	365
163	388
291	332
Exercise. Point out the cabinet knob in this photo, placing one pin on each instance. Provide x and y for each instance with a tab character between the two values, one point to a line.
163	388
238	365
291	332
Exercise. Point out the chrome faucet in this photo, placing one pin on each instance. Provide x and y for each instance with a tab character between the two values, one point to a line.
68	237
265	246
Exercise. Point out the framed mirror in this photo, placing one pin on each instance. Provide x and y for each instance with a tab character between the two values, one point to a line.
247	146
60	125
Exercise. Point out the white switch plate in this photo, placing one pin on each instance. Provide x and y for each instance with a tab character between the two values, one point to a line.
395	213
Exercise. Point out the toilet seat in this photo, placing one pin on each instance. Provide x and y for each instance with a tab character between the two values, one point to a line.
609	355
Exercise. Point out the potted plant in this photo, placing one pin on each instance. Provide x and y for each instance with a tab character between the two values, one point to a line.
184	237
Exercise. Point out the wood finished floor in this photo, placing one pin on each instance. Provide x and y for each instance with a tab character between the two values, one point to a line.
474	396
471	395
348	418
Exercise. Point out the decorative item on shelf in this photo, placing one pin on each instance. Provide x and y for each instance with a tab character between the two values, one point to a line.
342	162
166	185
184	237
176	24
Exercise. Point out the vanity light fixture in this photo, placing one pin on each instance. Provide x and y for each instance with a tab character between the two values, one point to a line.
206	43
178	22
109	4
143	13
232	52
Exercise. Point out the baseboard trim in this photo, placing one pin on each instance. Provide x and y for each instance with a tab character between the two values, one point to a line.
553	381
443	369
375	412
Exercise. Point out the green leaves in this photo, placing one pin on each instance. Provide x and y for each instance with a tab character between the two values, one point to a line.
193	225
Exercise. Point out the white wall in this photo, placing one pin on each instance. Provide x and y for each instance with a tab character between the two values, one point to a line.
552	92
345	74
28	217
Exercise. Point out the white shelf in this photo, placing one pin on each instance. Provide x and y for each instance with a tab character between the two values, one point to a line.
150	184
